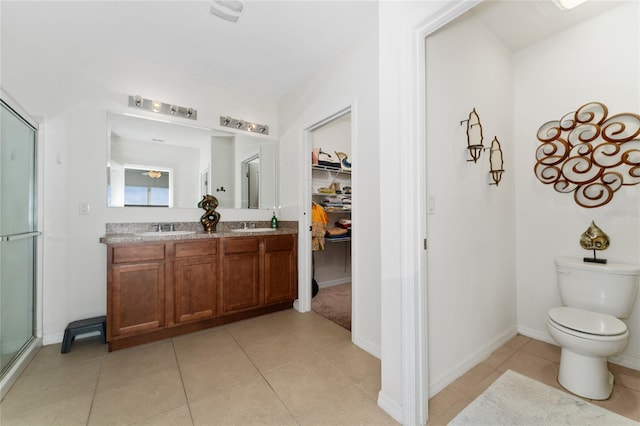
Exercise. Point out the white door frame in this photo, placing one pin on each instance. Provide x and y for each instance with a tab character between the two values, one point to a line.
303	303
415	382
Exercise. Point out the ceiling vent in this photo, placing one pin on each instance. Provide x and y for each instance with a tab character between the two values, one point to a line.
568	4
229	10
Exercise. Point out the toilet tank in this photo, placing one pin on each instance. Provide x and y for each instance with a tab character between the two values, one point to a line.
606	288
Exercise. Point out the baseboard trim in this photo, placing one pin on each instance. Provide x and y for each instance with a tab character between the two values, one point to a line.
52	339
626	361
334	282
368	347
477	357
620	359
536	334
390	407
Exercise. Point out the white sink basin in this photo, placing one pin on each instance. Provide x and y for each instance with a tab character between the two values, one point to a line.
253	230
163	233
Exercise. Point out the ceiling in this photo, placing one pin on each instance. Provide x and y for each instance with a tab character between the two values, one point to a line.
521	23
274	46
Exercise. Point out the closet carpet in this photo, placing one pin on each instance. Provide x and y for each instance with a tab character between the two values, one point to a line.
334	303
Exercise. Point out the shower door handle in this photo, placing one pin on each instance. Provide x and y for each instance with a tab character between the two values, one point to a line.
22	236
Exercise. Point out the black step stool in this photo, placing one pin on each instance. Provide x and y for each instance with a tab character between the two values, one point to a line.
88	325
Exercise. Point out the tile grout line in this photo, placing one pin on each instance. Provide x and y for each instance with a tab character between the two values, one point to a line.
184	389
263	376
315	351
95	389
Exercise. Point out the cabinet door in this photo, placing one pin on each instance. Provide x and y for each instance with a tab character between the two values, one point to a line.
136	298
240	287
280	271
195	280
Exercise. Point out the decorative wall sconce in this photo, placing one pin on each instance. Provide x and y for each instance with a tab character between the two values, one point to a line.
496	162
247	126
162	108
474	136
589	154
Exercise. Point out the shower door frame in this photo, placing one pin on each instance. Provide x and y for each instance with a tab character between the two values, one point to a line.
29	350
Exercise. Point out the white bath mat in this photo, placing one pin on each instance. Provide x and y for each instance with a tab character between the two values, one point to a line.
514	399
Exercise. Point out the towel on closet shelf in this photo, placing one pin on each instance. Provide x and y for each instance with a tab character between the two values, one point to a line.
337	232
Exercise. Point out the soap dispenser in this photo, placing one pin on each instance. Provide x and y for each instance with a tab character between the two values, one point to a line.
274	221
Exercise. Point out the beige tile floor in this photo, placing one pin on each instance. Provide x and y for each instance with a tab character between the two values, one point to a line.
283	368
539	361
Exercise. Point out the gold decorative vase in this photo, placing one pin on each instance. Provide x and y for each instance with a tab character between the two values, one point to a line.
211	217
594	239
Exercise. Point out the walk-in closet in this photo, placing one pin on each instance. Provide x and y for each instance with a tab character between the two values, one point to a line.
331	193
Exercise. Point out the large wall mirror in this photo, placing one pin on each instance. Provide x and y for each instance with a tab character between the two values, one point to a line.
157	163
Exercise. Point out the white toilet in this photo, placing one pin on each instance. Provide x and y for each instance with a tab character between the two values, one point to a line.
587	326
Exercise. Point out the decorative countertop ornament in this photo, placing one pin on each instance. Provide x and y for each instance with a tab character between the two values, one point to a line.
594	239
211	217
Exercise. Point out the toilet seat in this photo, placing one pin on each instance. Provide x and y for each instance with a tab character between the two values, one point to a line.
586	324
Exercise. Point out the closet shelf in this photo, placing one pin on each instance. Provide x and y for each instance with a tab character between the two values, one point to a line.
338	240
330	169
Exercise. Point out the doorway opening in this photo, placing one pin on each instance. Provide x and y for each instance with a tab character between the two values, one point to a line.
251	182
331	209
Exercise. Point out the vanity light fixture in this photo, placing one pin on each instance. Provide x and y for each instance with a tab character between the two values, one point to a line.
474	135
247	126
162	108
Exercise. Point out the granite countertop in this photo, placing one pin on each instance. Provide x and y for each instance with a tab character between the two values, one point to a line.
128	233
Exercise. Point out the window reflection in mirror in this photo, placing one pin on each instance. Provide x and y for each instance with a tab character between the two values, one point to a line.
147	187
239	170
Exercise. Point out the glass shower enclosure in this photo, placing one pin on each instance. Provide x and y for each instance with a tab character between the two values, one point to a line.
18	235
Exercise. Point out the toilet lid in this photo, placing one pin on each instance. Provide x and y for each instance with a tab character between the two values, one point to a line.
587	322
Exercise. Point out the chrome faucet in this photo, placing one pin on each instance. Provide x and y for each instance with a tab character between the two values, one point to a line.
163	227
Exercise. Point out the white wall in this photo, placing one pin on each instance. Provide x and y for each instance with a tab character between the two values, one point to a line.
598	60
471	257
396	62
350	80
72	89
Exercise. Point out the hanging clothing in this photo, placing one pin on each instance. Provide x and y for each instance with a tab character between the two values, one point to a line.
319	222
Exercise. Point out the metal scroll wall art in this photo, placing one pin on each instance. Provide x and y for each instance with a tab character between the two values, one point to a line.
475	147
590	154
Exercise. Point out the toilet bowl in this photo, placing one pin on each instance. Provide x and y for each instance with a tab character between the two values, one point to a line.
587	327
587	339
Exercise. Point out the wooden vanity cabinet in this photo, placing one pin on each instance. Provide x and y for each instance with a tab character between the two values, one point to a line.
196	276
136	290
280	268
240	289
157	290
